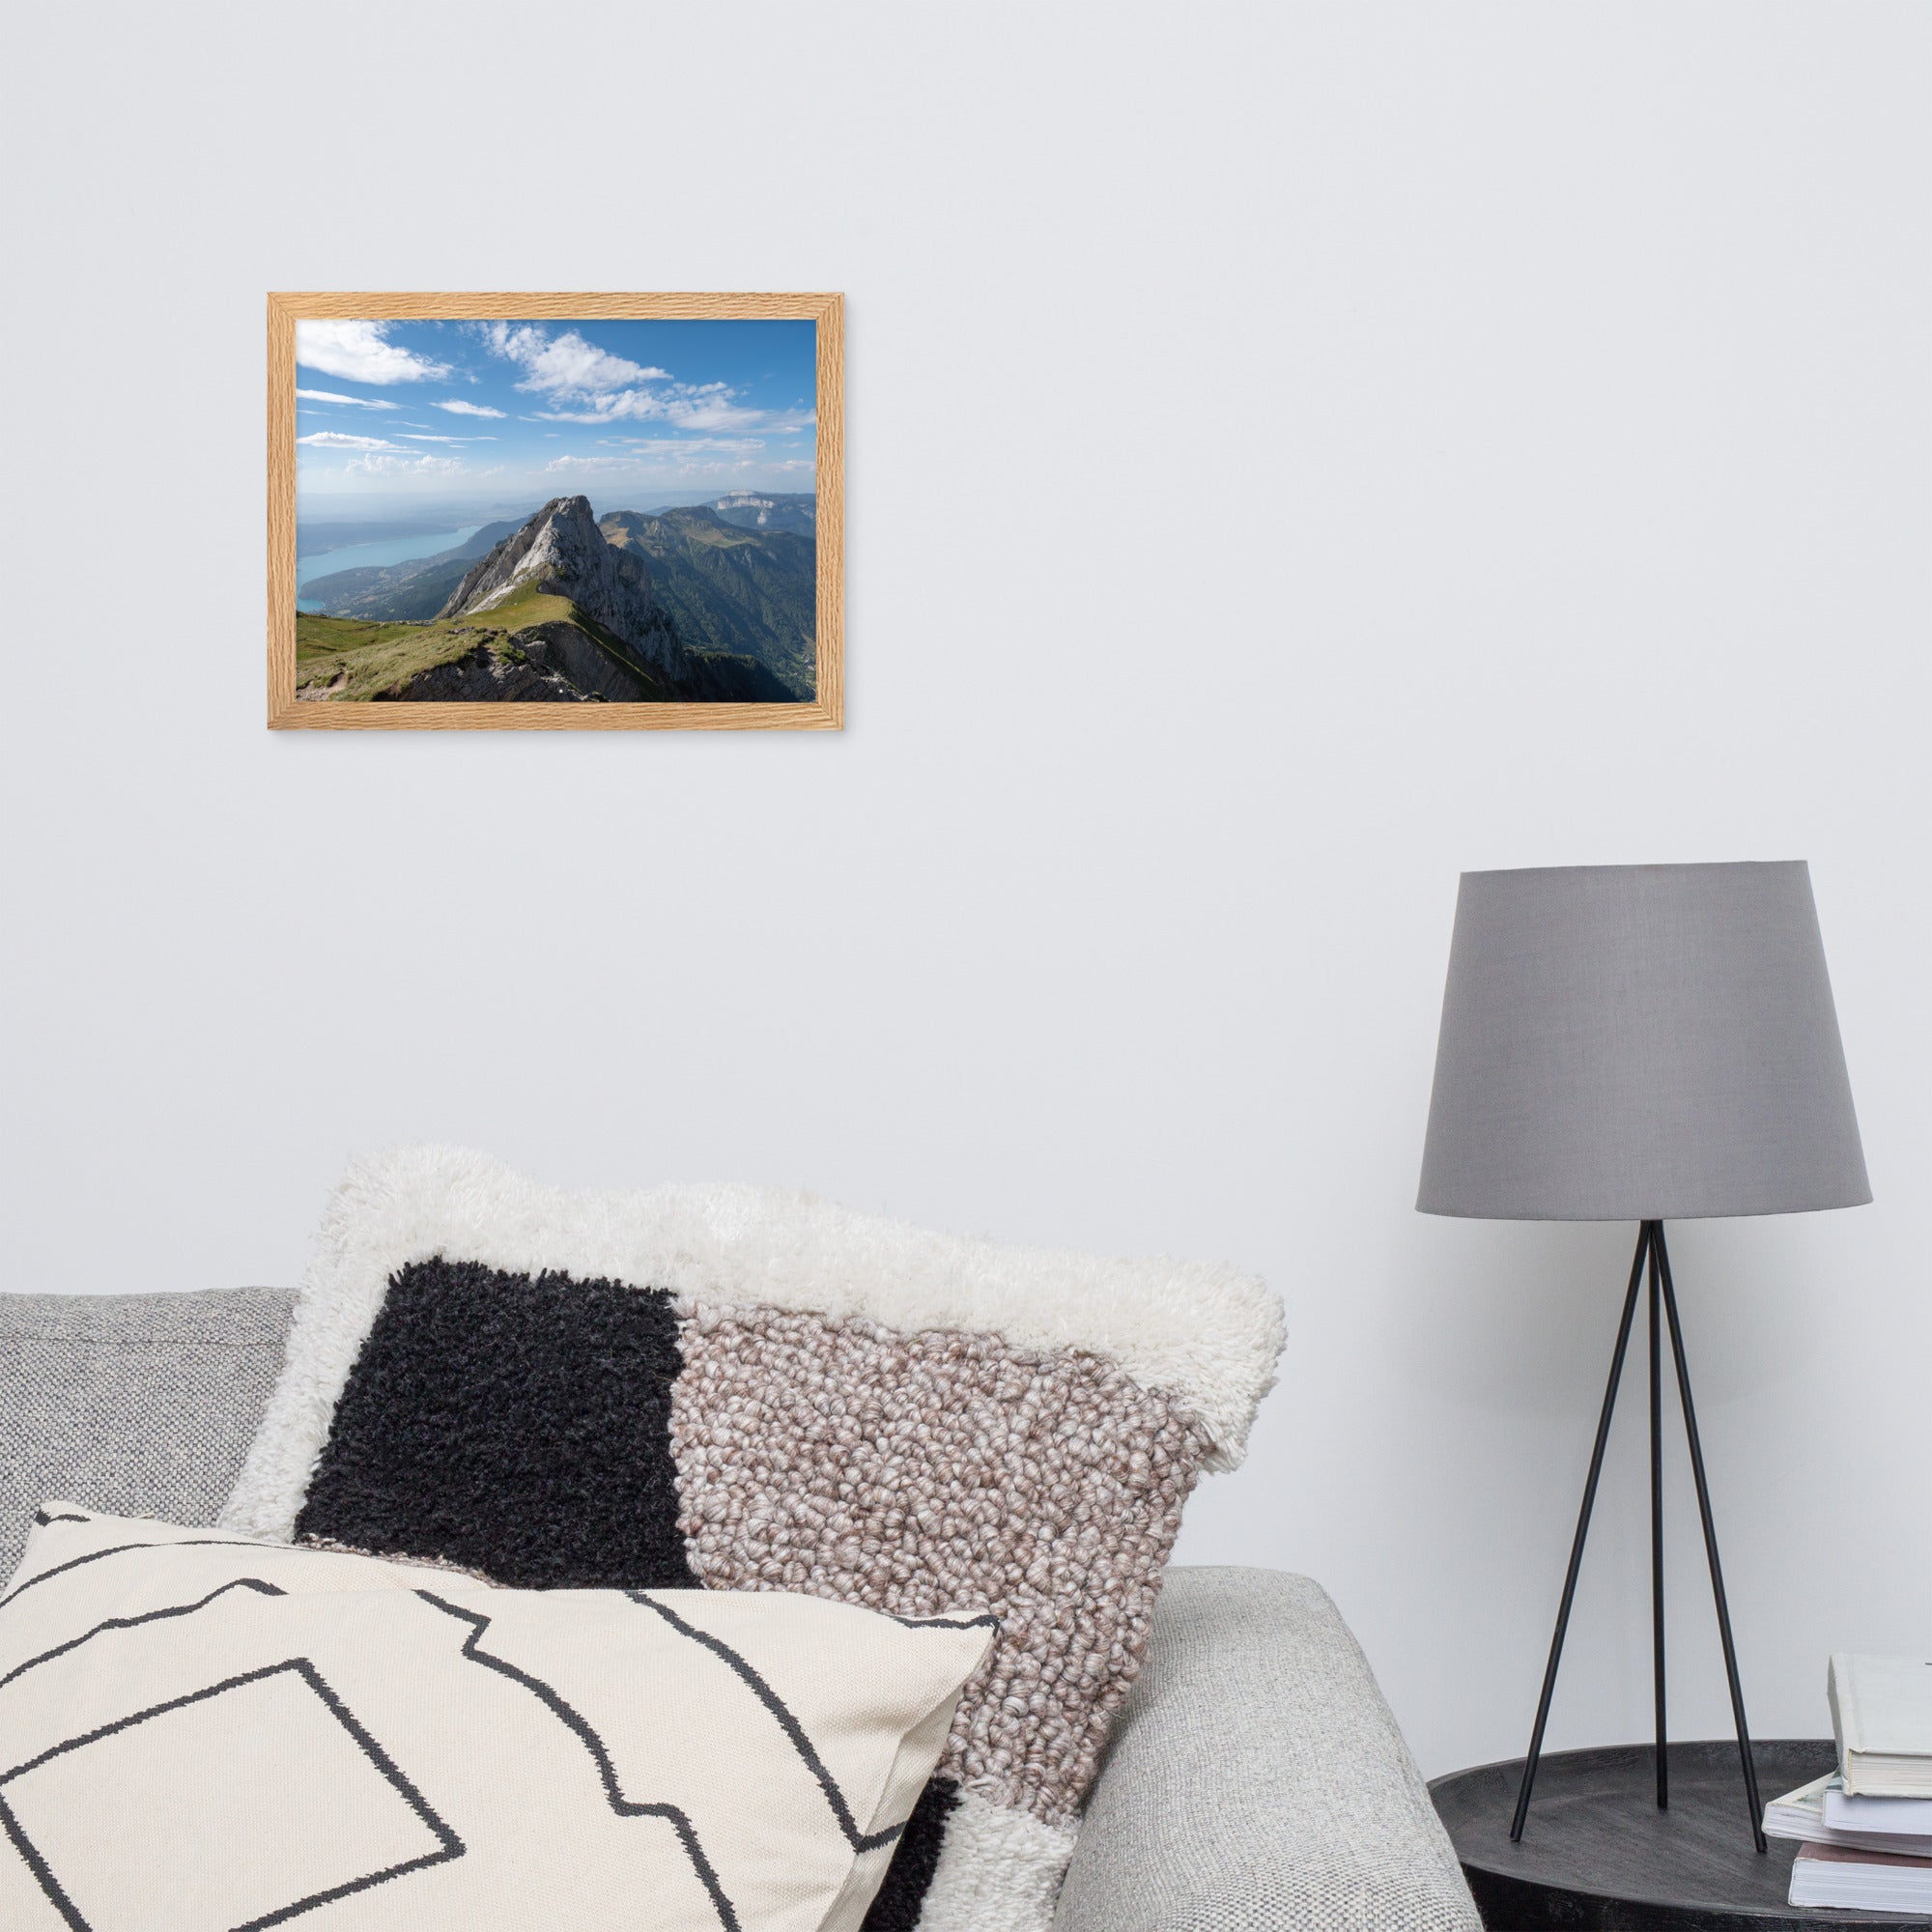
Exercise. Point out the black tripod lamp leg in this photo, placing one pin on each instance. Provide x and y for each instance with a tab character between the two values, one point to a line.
1711	1544
1656	1518
1582	1532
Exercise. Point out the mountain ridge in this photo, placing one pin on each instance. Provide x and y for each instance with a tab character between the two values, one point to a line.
551	611
561	552
725	573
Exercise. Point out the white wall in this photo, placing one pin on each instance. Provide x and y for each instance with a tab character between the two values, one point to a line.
1296	453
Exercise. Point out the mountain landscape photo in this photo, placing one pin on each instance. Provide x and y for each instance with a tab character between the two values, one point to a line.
676	607
432	565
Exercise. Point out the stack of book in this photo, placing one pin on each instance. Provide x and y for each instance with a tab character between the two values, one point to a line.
1865	1829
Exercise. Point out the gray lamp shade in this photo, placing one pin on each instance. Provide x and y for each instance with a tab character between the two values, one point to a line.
1639	1042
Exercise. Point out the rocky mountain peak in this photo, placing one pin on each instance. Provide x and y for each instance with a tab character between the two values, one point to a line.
561	552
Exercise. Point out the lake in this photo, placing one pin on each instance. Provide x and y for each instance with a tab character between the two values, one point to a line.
369	555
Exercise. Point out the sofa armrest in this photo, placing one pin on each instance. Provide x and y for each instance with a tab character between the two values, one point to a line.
1256	1779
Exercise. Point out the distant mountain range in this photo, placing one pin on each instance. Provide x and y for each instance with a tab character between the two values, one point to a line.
554	609
762	510
734	577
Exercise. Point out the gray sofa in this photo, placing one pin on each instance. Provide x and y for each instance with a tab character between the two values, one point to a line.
1256	1779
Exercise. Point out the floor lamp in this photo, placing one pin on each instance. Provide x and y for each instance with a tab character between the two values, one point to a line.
1640	1044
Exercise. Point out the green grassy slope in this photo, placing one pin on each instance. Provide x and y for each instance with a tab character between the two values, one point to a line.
346	659
349	660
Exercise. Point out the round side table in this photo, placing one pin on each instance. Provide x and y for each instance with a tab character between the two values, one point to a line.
1597	1855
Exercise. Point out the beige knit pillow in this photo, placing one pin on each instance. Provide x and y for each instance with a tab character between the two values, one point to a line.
750	1389
200	1733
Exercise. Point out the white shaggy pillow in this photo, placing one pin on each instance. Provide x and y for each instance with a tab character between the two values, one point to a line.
200	1732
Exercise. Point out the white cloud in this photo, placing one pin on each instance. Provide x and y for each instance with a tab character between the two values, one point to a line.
331	439
662	456
675	445
591	465
406	465
461	409
622	405
408	437
684	406
329	396
563	365
713	411
360	351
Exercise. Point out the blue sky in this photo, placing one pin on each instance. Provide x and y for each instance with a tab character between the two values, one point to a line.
510	410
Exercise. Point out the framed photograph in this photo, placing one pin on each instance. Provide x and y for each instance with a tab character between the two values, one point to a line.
556	512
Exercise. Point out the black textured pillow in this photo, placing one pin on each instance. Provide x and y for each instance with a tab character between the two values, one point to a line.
515	1425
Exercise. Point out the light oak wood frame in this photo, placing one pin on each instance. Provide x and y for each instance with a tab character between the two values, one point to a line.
826	712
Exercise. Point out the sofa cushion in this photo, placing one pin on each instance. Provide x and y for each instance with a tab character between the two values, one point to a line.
207	1732
141	1404
1258	1779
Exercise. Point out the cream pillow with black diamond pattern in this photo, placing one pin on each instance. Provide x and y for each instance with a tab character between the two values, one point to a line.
202	1733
